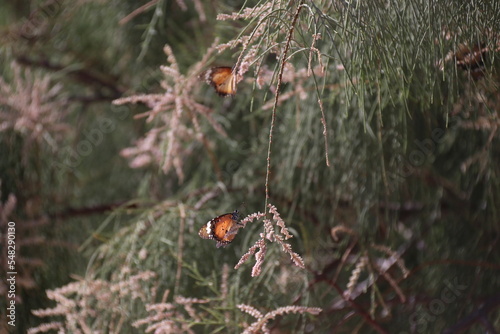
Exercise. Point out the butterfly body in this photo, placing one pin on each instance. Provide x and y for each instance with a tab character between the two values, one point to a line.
223	79
222	228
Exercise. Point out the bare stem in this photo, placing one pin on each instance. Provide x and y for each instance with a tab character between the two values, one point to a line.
276	98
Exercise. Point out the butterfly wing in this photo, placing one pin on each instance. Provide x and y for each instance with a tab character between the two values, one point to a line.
205	231
222	79
222	229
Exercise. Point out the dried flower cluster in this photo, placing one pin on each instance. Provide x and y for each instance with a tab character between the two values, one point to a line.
180	315
271	235
86	302
172	317
353	280
175	113
260	326
249	42
33	106
259	40
297	77
176	117
369	262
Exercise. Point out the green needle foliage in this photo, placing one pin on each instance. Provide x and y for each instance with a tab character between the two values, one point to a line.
360	146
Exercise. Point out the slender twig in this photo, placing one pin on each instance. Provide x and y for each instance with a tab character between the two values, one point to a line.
325	133
276	99
84	75
137	11
380	125
180	243
359	310
92	210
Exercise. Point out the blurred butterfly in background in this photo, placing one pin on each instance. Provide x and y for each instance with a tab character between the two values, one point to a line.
222	229
223	79
472	59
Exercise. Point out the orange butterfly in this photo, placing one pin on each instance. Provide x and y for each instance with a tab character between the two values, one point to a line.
223	79
222	228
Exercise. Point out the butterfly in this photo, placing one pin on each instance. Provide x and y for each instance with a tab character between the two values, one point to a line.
222	228
471	58
223	79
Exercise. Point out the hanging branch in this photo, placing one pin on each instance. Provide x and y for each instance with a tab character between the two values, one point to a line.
276	98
